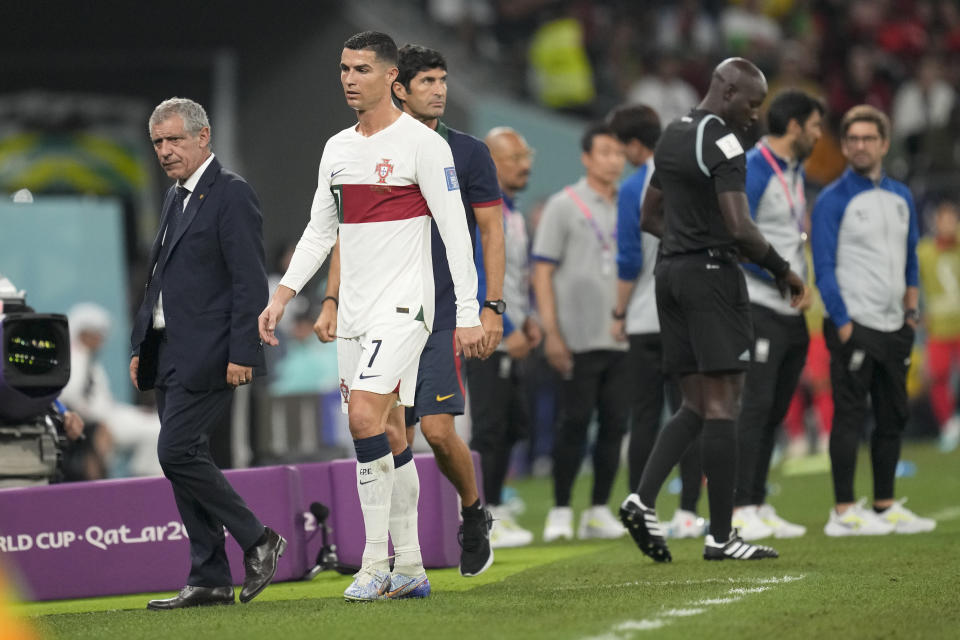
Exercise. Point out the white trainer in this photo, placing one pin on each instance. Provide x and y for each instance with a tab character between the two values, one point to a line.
686	524
950	435
906	521
506	532
781	528
559	524
599	522
749	524
858	520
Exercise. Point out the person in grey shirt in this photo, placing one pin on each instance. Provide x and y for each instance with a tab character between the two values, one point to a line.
498	406
575	283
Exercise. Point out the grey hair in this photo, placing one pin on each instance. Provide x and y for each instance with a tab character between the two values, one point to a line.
193	114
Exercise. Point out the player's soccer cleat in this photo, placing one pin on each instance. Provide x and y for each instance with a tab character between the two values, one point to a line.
506	532
781	528
736	549
368	584
645	529
476	556
598	522
559	524
857	521
686	524
749	524
402	586
906	521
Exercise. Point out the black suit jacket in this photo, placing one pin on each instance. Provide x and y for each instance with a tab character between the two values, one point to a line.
214	285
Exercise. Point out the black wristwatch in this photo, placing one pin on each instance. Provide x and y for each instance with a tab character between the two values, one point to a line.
499	306
912	314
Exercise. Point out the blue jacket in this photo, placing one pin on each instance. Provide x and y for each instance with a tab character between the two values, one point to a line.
865	250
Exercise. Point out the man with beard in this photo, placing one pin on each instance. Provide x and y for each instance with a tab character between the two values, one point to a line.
775	191
865	256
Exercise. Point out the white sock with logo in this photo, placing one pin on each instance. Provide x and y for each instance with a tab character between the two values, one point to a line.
375	486
403	516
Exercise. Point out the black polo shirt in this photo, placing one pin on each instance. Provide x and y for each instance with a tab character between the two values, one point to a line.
697	157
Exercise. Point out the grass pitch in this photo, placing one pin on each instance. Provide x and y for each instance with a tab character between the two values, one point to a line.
881	587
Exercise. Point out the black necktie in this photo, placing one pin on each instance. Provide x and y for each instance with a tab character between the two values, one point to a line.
166	241
178	199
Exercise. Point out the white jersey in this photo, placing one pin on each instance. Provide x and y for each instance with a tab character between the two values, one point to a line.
382	190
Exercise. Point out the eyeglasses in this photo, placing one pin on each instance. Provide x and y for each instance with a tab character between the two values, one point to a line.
855	140
520	156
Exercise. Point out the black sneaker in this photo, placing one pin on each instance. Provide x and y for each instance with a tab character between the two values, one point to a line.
643	525
476	556
736	549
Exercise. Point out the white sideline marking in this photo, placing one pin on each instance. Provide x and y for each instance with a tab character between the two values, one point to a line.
710	601
950	513
628	628
670	583
682	613
640	625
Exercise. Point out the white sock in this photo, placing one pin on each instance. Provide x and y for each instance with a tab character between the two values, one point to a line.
375	485
403	520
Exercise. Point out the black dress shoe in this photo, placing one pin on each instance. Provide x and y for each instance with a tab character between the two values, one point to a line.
261	564
191	596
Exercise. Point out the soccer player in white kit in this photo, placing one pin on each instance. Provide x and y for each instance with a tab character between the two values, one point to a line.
379	183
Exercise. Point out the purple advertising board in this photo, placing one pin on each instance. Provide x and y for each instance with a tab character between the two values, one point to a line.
125	536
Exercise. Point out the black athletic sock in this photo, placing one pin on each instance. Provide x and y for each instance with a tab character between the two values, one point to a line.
691	478
475	510
718	445
673	441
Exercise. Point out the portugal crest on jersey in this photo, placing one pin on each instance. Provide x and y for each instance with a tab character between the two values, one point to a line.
384	169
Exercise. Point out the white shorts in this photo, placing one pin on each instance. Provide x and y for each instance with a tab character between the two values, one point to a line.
384	360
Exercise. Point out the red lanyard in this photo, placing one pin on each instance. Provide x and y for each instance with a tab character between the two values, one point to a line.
798	208
593	223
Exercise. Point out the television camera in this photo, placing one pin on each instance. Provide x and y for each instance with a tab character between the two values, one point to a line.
34	368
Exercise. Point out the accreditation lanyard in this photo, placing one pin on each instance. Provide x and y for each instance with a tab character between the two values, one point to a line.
796	208
607	246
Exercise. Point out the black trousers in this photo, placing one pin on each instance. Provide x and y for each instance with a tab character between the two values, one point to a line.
651	389
206	501
873	363
779	353
601	381
499	416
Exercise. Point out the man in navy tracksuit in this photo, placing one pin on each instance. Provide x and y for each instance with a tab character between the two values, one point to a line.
864	254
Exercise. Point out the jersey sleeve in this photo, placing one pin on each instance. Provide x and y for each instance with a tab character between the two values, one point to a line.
758	176
913	234
483	190
319	236
437	178
826	218
721	156
551	232
629	236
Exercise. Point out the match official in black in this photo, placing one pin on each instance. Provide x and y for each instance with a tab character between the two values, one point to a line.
697	205
195	340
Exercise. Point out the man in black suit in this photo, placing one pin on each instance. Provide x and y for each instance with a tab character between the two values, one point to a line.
195	340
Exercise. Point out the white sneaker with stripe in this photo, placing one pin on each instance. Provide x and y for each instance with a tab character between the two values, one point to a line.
781	528
906	521
857	520
749	525
736	549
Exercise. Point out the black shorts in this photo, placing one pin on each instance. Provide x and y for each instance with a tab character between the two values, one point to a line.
439	379
704	313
